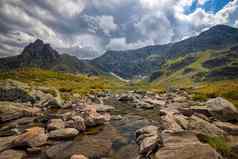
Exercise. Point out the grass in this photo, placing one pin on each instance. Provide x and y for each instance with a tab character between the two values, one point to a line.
68	84
225	88
218	143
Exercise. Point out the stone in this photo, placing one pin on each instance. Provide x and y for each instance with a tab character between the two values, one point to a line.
231	129
184	145
5	142
78	157
11	111
103	108
148	139
12	154
63	133
55	124
76	122
33	137
222	109
93	118
55	151
200	126
169	122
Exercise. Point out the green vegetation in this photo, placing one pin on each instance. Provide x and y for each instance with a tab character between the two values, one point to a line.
68	84
219	143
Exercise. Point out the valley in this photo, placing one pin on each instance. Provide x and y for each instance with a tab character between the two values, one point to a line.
178	100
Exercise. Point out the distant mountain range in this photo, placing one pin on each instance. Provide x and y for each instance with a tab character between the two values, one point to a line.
127	64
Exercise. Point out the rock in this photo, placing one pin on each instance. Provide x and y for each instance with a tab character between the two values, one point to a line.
15	91
231	129
47	99
11	111
5	142
77	122
200	126
222	109
54	151
55	124
141	104
12	154
184	145
169	122
33	137
126	98
182	121
63	133
155	102
234	152
103	108
92	118
117	117
148	139
78	157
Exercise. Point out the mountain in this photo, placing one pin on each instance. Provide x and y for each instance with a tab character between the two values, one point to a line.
144	61
42	55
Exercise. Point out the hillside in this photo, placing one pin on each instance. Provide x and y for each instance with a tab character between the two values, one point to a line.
43	56
144	61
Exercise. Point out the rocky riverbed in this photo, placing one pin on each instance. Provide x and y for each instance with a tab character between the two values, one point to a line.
37	124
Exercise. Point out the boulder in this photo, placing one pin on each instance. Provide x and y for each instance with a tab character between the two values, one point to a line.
11	111
231	129
55	151
148	139
200	126
63	133
103	108
55	124
169	121
184	145
12	154
76	122
5	142
127	98
33	137
78	157
222	109
93	118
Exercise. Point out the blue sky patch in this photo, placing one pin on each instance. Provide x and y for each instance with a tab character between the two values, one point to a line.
211	6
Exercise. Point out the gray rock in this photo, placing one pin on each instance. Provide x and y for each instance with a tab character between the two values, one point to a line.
231	129
63	133
222	109
55	124
148	139
12	154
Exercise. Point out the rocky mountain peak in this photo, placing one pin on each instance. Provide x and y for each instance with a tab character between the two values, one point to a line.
39	49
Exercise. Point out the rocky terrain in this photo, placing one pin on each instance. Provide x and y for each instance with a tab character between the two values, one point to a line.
34	124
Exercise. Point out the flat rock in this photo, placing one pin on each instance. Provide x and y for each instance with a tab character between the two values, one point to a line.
12	154
231	129
184	145
63	133
5	142
78	157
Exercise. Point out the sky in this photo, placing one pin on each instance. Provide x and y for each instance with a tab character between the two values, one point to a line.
87	28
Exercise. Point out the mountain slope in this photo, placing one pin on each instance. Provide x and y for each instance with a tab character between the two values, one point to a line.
145	61
42	55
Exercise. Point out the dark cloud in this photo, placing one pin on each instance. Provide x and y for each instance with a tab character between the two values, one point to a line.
86	28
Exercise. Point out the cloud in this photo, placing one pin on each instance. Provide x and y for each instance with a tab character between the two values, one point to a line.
122	44
90	27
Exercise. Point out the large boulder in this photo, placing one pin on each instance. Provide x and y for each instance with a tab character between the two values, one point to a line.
184	145
148	139
33	137
10	111
15	91
222	109
200	126
63	133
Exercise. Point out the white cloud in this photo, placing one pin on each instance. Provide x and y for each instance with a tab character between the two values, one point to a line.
122	44
106	23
